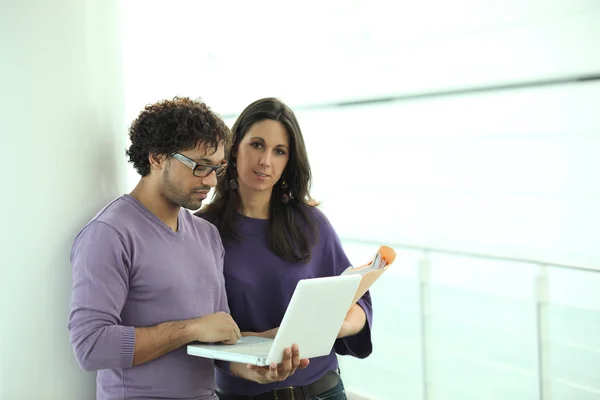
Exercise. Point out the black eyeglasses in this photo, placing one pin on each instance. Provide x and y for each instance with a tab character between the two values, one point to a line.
201	170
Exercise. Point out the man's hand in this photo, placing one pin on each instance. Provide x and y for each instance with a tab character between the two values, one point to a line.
273	373
155	341
216	328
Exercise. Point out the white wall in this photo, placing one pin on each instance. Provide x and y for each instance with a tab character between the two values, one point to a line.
63	141
510	173
232	52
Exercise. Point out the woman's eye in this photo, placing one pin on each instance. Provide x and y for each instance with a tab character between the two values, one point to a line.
280	152
255	145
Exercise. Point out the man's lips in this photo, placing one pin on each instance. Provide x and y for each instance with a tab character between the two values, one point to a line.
201	193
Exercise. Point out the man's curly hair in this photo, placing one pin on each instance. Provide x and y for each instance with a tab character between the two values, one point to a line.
174	125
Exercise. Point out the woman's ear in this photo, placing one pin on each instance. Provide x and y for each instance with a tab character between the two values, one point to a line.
233	154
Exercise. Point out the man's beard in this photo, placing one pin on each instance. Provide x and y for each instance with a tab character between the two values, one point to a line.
175	196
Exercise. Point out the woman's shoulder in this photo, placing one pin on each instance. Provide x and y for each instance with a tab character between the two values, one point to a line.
317	216
312	210
206	215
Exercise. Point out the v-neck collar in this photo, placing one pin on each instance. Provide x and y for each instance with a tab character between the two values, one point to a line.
137	204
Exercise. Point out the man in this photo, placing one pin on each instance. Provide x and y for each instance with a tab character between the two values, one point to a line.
148	276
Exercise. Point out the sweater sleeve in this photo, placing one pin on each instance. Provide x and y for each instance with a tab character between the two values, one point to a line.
358	345
100	270
223	303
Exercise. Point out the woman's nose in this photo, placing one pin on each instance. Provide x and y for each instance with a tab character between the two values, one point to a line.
265	160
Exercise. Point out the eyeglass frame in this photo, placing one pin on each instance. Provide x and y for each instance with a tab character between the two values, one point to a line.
193	165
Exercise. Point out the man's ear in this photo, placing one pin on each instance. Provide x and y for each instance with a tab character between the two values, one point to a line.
157	161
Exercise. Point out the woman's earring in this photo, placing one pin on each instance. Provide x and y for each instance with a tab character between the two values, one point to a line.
285	198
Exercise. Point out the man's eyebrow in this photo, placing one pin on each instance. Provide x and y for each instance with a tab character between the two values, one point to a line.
208	161
201	160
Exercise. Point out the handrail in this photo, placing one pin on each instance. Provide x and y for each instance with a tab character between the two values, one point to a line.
468	254
436	94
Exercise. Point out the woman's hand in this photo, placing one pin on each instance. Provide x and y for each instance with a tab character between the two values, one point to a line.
275	372
270	334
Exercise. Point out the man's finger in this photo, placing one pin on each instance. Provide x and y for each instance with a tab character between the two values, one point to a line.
230	340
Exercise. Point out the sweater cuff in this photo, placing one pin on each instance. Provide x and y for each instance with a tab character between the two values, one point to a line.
127	346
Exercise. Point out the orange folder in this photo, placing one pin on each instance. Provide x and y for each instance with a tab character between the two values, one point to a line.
371	271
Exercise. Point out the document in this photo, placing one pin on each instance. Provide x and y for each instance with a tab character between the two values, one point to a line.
371	271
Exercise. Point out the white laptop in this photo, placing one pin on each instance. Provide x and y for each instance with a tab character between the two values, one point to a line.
312	320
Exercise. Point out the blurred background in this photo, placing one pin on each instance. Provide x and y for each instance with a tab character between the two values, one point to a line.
463	134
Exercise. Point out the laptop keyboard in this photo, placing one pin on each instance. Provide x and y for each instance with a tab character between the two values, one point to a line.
261	349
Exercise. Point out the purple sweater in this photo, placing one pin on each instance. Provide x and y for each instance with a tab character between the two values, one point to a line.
260	286
131	270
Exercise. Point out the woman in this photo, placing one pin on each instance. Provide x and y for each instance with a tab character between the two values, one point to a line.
274	236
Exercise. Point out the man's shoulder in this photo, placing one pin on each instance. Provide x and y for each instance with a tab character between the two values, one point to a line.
119	215
201	220
107	228
203	232
201	224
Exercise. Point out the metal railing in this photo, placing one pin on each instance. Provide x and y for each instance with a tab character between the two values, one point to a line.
540	298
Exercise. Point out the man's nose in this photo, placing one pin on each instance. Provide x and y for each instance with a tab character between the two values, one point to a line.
210	180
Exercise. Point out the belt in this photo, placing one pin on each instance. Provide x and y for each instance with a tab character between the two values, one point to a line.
323	384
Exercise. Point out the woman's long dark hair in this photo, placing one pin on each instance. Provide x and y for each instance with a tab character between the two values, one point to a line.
291	231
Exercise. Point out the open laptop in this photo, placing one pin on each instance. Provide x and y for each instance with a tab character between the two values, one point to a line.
312	320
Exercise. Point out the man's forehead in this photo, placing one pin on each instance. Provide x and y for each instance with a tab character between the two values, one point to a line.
202	150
